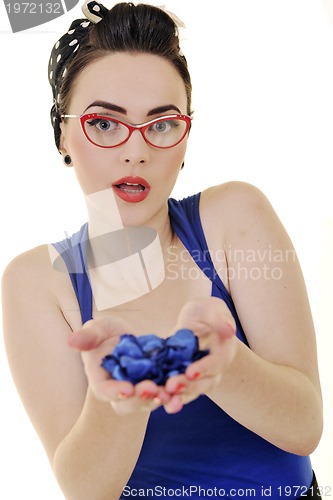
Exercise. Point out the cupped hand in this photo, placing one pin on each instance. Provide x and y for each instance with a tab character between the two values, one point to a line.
213	324
209	319
96	339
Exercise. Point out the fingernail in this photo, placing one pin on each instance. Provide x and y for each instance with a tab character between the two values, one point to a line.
123	395
161	398
146	395
179	388
195	376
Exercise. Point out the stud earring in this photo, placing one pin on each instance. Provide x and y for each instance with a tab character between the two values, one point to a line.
67	160
183	165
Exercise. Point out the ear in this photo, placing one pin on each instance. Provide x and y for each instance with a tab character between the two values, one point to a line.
62	145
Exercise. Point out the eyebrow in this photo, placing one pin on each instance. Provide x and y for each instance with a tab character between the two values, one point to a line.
120	109
163	109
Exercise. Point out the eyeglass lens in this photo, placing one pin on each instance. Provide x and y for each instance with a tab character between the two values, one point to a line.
108	132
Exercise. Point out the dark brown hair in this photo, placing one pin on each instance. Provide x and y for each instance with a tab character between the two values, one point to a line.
129	28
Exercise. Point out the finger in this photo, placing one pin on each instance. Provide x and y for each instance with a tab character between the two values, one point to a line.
174	405
177	384
146	390
187	389
113	390
147	396
133	405
181	391
94	332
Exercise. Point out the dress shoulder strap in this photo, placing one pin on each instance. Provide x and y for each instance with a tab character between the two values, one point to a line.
73	250
186	222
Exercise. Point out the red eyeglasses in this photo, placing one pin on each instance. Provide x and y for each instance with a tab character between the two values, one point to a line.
108	132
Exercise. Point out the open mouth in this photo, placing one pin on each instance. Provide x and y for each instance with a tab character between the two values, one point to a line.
130	188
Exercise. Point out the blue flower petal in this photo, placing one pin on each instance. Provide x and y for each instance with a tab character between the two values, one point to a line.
144	339
150	343
172	373
139	368
109	363
118	373
128	345
150	357
184	339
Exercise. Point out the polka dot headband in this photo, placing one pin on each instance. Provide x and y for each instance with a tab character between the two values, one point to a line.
64	51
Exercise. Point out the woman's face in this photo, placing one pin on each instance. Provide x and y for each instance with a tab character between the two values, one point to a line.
137	88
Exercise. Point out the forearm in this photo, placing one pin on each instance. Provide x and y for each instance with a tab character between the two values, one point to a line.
279	403
97	457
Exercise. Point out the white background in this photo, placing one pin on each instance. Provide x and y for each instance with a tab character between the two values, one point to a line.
263	78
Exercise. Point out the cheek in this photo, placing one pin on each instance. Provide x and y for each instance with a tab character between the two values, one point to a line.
177	155
170	164
79	148
91	165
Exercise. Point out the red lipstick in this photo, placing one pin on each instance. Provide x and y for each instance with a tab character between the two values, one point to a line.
131	189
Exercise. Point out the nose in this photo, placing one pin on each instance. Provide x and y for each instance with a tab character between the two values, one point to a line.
135	151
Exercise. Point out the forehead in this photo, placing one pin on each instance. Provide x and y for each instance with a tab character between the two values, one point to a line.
137	82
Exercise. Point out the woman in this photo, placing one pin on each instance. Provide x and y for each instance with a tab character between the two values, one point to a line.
243	419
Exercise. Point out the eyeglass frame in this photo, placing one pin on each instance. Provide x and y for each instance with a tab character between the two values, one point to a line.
142	127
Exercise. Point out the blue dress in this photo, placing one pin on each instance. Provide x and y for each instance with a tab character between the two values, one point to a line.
200	451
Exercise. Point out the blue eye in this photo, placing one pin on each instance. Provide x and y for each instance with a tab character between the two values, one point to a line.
164	126
103	124
161	126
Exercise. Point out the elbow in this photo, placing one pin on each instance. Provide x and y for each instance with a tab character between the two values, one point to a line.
308	424
79	480
308	434
311	439
64	476
68	477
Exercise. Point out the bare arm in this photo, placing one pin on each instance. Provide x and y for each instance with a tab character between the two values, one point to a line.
91	449
273	389
97	457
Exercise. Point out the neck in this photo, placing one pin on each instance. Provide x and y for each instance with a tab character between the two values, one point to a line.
103	213
104	218
125	262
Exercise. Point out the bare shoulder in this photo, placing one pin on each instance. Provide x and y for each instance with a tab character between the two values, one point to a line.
236	215
31	269
32	276
27	284
234	202
232	188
